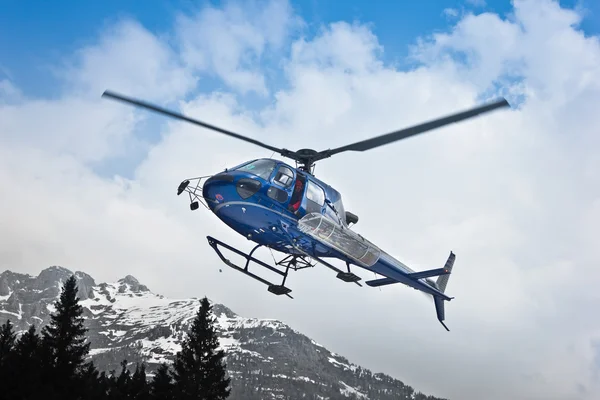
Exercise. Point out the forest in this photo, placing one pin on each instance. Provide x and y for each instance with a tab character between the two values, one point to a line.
52	362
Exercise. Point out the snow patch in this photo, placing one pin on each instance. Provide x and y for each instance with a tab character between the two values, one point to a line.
4	298
336	363
349	390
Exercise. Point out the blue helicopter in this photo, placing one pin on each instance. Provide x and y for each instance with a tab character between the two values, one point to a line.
289	210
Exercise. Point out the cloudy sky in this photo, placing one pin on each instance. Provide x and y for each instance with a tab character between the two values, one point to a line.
90	184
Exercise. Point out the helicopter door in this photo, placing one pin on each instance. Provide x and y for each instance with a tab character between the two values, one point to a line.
297	194
281	187
315	198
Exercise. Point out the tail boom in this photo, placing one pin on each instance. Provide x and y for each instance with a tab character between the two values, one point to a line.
396	272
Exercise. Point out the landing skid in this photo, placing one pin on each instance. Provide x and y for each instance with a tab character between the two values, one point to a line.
292	262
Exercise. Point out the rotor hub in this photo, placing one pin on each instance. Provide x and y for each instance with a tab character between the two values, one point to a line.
306	158
307	152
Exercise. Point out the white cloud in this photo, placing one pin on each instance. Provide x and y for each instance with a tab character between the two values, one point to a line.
228	42
450	12
476	3
132	59
514	194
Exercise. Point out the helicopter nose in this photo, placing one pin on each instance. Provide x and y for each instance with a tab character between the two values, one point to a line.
224	187
217	187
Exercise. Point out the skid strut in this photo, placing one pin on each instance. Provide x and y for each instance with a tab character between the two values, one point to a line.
293	262
344	276
290	262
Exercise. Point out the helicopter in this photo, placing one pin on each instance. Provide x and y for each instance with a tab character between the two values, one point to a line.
288	209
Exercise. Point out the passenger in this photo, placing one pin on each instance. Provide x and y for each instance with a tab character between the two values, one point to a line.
296	196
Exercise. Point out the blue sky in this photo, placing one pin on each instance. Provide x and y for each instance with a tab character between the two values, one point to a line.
36	36
35	43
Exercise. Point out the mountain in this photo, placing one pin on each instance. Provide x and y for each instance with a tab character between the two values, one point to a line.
266	359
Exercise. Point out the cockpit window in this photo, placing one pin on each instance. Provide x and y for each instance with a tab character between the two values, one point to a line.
284	176
262	168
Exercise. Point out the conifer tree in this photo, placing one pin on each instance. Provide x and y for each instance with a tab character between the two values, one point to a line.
95	386
162	384
7	350
199	369
25	368
64	344
119	386
7	341
139	389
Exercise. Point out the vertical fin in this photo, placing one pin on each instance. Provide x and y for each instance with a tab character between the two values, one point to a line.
439	309
441	283
442	280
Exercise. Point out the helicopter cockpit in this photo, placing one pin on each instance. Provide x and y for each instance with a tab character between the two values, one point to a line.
262	168
306	195
280	176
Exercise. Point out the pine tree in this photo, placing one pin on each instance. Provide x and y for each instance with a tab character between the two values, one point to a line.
119	386
64	345
25	368
199	368
7	352
138	386
7	341
162	384
95	386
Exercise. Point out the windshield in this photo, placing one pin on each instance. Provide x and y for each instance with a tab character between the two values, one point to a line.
262	168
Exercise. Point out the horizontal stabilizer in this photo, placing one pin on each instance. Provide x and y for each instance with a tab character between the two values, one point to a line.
381	282
429	273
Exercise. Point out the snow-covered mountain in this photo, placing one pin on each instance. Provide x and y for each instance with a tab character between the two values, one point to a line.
266	359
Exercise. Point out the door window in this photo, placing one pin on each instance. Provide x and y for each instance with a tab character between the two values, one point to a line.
284	176
315	197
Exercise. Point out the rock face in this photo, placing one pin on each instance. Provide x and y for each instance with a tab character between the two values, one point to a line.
266	359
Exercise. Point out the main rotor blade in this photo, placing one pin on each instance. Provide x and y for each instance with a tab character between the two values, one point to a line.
415	130
174	114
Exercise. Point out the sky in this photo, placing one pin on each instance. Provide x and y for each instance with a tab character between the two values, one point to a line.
90	184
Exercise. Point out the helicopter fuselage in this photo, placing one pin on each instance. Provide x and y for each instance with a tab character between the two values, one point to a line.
263	201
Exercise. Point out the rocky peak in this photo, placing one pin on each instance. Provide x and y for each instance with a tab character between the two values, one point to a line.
51	277
85	284
219	309
11	281
134	285
82	276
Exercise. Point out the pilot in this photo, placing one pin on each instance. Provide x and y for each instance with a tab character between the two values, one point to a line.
297	195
